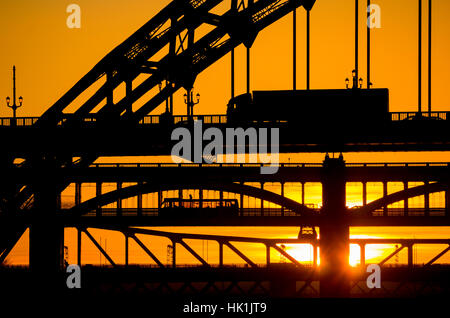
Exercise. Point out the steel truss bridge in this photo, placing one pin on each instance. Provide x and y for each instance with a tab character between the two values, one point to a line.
38	163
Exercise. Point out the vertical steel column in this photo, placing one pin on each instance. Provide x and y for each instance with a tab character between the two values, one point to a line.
368	45
78	246
248	70
159	198
119	200
303	193
77	193
294	44
429	55
232	74
174	254
126	250
364	198
98	193
420	58
282	194
139	202
405	202
362	252
220	254
410	255
356	39
315	258
334	232
242	202
385	193
308	48
267	255
447	203
427	202
262	201
46	232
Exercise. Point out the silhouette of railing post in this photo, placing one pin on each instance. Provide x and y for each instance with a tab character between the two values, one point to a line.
334	232
119	201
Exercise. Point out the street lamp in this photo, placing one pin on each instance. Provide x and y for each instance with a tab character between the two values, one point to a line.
189	101
14	106
355	79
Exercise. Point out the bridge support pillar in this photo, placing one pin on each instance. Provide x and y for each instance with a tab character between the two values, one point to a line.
334	232
46	249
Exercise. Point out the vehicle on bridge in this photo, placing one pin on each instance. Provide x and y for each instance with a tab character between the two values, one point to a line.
309	108
199	208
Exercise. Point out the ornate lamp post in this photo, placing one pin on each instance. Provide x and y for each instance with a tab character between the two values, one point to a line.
14	105
189	101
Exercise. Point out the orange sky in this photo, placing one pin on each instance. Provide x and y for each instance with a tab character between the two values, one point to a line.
50	57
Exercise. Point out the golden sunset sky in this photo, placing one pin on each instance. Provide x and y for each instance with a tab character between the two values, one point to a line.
51	58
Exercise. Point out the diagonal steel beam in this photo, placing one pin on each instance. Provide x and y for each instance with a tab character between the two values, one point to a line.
434	259
391	255
194	253
99	247
146	250
282	252
239	253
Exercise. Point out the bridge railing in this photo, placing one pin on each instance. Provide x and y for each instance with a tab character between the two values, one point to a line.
200	165
439	115
19	121
409	212
258	165
209	119
92	118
